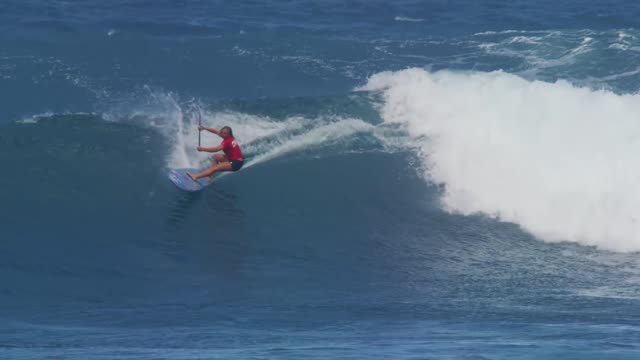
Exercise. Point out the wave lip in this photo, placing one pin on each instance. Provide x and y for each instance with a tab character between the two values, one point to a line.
554	158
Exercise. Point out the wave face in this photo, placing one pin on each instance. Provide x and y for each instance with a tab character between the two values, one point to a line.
423	179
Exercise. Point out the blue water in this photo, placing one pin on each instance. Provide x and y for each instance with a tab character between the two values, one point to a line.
424	180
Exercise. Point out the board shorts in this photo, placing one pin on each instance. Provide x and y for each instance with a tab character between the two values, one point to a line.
236	164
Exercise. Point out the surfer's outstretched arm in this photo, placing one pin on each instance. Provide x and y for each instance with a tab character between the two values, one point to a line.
211	130
209	149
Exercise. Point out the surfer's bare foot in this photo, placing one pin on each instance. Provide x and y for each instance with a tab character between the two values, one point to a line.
193	177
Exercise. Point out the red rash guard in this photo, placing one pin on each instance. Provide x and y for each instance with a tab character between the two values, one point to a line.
231	149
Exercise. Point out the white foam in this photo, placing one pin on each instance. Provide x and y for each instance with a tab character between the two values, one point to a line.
487	33
622	36
408	19
621	75
332	131
619	46
540	49
584	46
623	41
558	160
33	119
526	39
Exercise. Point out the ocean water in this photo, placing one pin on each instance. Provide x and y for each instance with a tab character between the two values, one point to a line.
424	180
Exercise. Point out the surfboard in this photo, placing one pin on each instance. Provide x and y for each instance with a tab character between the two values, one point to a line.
182	181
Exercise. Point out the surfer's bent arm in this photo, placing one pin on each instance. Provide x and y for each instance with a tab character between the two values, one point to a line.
211	130
210	149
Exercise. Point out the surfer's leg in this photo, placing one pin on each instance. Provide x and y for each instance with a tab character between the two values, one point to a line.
219	158
225	166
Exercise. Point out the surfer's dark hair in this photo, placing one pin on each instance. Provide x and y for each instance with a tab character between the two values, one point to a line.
228	128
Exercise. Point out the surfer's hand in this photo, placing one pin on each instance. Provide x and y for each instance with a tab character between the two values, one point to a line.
200	127
199	148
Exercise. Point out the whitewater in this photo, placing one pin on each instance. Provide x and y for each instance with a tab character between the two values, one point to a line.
554	158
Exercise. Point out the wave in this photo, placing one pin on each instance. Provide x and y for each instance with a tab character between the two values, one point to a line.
550	157
556	159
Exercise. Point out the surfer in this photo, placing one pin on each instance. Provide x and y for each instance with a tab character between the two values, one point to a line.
232	160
